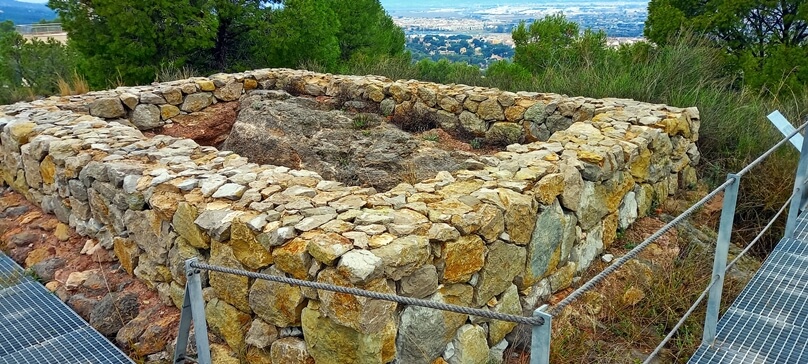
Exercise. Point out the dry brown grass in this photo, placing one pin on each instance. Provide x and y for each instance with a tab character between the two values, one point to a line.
629	314
76	85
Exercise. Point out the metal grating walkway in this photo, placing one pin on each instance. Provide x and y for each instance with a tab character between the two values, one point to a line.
36	327
768	322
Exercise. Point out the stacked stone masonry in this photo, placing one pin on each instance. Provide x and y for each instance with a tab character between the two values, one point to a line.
502	236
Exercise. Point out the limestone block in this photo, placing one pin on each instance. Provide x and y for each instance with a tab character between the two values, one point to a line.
293	257
277	303
108	107
423	333
470	346
503	263
329	342
290	350
504	133
196	102
463	257
403	256
229	288
228	323
365	315
490	110
230	92
520	212
146	117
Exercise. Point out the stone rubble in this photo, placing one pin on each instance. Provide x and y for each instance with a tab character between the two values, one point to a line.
506	231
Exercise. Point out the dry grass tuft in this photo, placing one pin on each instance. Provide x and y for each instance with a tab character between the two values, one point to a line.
76	85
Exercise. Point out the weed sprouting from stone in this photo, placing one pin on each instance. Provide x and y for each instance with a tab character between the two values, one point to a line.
361	121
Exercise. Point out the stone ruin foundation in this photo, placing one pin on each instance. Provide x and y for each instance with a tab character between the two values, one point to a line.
315	192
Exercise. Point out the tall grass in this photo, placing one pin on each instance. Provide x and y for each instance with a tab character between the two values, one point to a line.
172	72
75	85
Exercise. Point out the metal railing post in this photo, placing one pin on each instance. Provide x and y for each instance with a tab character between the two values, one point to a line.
720	262
193	308
540	338
799	191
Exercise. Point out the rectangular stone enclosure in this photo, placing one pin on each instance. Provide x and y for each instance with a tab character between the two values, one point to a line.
504	234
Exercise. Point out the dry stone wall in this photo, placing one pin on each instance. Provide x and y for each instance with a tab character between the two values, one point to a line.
502	235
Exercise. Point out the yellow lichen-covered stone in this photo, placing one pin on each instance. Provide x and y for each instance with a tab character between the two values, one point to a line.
183	223
514	113
221	354
228	323
615	189
21	131
276	303
520	215
640	167
290	350
327	247
246	248
362	314
492	222
293	257
168	111
164	201
47	169
258	356
329	342
206	85
590	157
375	93
463	257
232	289
548	188
609	229
250	84
127	252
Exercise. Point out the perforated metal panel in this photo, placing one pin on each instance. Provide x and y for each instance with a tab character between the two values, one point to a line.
768	322
37	327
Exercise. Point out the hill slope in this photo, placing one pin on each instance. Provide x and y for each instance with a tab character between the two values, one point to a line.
24	13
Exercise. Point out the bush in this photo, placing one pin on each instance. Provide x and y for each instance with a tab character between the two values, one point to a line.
509	76
32	68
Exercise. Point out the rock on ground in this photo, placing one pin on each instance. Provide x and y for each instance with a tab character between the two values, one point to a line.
355	149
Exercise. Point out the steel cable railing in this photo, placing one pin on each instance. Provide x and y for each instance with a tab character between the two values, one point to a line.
589	285
703	295
533	321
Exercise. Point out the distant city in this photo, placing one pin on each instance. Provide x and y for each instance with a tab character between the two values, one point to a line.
479	31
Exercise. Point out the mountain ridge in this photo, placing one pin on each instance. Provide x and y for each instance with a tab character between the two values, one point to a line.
25	12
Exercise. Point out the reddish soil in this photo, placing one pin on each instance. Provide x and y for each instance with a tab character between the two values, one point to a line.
208	127
33	222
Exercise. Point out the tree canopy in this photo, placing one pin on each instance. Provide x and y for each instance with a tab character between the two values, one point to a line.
766	39
556	40
128	41
31	66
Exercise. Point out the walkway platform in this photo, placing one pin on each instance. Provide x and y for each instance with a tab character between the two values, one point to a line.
37	327
768	322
